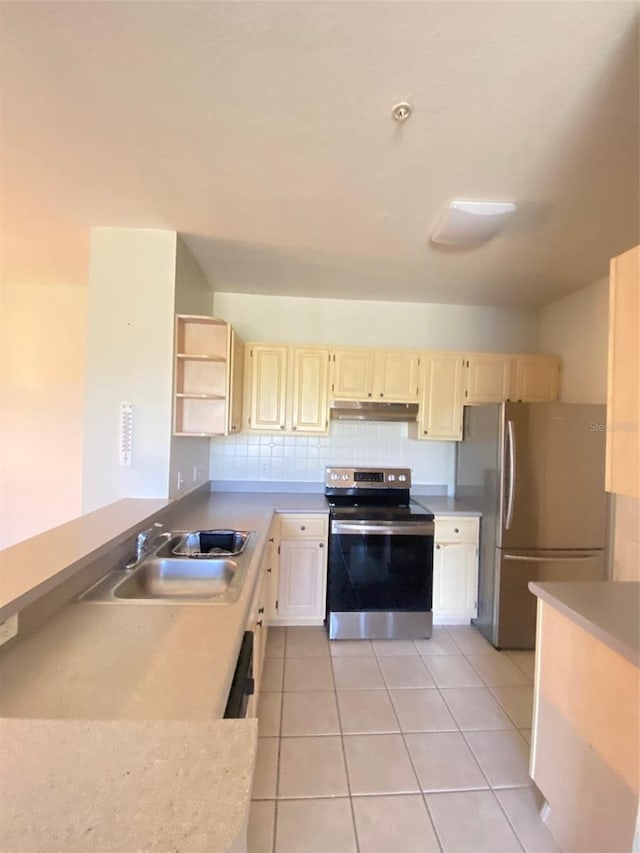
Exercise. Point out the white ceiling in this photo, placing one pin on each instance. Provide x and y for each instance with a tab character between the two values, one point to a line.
262	132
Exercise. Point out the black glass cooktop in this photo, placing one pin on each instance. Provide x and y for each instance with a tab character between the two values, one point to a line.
364	511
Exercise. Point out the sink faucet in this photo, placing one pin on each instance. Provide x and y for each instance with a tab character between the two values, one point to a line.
144	540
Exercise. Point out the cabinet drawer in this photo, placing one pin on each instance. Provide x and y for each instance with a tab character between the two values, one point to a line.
456	529
303	526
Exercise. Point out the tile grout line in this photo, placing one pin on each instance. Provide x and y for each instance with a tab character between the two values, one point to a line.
344	754
415	773
275	810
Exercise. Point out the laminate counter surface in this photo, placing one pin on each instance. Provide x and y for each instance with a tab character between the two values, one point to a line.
609	611
114	739
124	787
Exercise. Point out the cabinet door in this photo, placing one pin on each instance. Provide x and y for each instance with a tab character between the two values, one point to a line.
302	580
234	393
535	378
455	581
623	386
310	406
487	378
396	376
353	374
268	382
440	414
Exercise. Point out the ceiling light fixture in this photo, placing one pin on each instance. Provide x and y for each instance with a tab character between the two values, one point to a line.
467	223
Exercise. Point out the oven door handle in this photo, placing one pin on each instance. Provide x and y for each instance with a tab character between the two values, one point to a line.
384	528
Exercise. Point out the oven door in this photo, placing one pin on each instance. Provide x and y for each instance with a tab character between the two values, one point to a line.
380	566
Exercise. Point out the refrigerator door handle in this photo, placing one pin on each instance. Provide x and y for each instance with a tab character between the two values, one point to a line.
511	449
521	558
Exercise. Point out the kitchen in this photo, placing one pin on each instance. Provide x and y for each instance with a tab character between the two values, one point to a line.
305	319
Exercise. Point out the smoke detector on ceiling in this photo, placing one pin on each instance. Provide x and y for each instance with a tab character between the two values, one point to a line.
469	223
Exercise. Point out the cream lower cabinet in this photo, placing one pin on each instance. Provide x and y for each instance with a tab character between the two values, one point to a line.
441	397
286	389
455	570
302	570
258	622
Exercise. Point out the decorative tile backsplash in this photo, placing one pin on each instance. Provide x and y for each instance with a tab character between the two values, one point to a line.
303	458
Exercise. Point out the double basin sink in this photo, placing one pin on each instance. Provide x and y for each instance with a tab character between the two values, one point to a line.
203	565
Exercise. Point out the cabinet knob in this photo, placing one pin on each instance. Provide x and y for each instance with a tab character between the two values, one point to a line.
302	527
272	539
437	547
259	622
456	530
295	427
425	431
261	610
320	544
369	395
268	570
281	426
233	428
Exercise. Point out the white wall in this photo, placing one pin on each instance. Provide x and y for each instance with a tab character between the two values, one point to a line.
193	295
576	329
129	358
350	322
276	319
42	362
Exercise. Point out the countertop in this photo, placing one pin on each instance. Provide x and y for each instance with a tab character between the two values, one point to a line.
442	505
609	610
132	661
103	688
125	787
31	568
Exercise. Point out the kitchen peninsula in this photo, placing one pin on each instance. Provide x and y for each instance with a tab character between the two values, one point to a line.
585	751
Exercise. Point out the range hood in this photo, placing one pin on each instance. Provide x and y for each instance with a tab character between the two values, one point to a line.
354	410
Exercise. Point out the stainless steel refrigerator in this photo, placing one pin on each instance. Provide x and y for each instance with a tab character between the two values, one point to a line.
536	473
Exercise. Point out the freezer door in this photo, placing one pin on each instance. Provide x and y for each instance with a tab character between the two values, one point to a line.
553	477
515	626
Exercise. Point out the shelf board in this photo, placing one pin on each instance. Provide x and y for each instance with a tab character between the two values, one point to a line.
191	356
189	396
198	434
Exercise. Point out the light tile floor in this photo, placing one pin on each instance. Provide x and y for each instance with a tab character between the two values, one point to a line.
394	747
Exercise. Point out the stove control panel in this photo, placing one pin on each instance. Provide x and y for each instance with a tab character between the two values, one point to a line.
368	478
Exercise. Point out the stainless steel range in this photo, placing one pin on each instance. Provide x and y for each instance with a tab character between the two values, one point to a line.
380	565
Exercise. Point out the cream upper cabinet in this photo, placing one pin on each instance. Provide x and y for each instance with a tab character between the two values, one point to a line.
309	398
236	374
207	377
266	386
441	396
623	381
535	378
383	375
488	377
395	377
353	371
286	388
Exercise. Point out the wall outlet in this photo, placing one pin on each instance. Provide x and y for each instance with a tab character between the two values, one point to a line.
179	481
